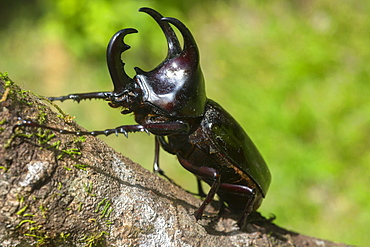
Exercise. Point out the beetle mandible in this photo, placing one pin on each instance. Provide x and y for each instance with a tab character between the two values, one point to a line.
170	102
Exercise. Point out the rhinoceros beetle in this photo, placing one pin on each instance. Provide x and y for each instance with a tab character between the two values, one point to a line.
170	102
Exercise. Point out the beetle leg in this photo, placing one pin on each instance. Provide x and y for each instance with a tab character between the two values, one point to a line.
82	96
165	145
206	172
200	188
160	141
160	128
122	129
222	206
248	209
242	190
156	168
166	128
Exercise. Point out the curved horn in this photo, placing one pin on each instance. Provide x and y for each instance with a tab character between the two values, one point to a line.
174	47
190	46
115	48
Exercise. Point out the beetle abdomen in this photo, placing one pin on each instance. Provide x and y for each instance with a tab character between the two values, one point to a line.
228	138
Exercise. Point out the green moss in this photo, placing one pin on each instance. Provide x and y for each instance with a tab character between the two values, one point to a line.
80	206
5	77
100	204
108	222
9	142
95	240
35	228
28	215
109	212
22	210
20	199
24	96
105	210
43	210
79	139
40	236
42	117
89	188
24	222
81	166
1	123
64	236
44	136
55	145
71	152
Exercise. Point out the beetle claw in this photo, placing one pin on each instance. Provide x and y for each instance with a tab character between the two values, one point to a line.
126	134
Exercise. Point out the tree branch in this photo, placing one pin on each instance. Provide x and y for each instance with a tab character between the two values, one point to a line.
65	190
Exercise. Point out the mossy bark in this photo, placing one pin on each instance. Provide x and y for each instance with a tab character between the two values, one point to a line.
63	190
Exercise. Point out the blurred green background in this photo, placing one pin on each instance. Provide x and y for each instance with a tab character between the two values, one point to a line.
295	74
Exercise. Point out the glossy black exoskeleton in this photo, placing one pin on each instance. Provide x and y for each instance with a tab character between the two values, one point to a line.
170	102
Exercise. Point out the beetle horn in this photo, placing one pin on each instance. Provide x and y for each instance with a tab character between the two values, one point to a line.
115	49
190	46
174	47
176	86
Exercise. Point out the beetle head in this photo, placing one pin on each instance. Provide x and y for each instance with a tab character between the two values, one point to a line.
175	87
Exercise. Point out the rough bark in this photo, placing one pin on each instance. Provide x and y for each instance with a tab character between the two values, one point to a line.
63	190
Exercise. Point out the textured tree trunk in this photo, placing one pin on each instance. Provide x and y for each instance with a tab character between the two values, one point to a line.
63	190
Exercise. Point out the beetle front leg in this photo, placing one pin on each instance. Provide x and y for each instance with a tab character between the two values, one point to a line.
119	130
158	128
83	96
